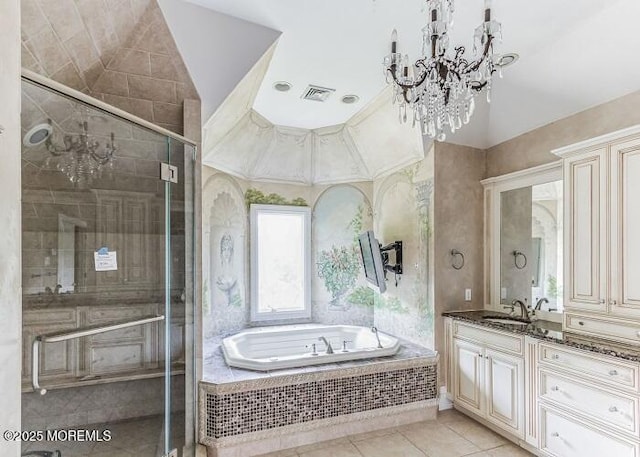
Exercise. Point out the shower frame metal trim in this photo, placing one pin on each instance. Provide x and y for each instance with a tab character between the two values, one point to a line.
55	86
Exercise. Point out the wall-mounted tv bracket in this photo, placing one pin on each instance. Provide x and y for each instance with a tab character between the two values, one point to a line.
396	268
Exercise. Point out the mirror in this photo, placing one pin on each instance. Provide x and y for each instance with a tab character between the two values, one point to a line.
531	240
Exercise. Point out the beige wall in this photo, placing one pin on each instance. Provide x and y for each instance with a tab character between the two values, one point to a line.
533	148
458	224
10	276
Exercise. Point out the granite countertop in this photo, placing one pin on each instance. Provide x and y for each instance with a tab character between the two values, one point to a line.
549	331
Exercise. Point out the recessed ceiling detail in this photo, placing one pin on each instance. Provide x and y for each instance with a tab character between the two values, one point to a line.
240	141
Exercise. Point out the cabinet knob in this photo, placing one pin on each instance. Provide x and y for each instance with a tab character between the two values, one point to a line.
580	323
602	301
613	302
555	388
555	435
613	373
613	409
556	356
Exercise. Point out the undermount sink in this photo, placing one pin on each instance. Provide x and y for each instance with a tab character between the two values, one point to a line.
500	320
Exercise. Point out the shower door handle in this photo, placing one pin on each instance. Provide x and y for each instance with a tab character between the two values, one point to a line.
64	336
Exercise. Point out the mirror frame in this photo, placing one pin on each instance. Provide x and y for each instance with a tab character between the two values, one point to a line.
493	187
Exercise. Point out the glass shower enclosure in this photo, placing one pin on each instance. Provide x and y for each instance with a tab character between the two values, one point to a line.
107	255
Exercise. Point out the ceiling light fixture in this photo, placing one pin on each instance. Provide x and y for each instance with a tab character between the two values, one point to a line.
81	158
350	99
440	88
282	86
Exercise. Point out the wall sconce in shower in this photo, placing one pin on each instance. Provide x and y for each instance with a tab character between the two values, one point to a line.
519	259
457	259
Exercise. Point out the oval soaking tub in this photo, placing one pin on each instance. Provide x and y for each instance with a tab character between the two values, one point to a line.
291	346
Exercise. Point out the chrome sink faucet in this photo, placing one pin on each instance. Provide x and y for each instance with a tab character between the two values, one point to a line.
329	348
524	309
539	303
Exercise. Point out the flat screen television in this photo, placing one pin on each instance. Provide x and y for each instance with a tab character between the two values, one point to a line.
372	260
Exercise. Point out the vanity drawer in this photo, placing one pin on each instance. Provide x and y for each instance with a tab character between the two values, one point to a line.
628	332
492	339
563	436
612	409
605	369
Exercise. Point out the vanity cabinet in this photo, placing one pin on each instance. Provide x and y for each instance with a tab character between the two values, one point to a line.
602	227
488	375
560	400
588	404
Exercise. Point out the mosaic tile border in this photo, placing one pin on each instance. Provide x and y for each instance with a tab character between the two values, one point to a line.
300	378
291	403
421	406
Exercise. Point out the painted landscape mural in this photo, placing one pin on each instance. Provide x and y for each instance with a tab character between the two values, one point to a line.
402	210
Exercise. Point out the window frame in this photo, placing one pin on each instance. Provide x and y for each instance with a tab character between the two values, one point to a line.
254	211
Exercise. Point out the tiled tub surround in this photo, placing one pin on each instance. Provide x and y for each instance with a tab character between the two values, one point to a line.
291	346
552	332
244	413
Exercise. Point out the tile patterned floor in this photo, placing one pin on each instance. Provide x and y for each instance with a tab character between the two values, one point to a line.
452	435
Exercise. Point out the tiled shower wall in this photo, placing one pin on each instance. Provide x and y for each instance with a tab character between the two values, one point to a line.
120	51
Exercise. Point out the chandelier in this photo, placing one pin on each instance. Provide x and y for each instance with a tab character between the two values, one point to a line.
441	86
82	158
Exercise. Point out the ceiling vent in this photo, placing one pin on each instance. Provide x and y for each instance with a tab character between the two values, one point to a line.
317	93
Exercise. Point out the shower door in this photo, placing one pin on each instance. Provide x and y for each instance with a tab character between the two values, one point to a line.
107	282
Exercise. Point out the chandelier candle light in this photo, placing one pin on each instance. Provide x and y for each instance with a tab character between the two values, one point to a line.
440	88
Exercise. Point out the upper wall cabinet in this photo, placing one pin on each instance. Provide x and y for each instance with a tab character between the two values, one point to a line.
602	234
625	228
586	232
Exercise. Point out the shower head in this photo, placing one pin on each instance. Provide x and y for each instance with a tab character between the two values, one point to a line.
37	135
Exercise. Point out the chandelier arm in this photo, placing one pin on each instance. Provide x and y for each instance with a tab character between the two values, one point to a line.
404	86
102	159
54	150
476	64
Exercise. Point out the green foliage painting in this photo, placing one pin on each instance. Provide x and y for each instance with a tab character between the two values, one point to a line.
338	267
254	196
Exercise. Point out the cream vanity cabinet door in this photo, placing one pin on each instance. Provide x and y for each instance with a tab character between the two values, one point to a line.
624	298
504	389
564	436
585	181
468	375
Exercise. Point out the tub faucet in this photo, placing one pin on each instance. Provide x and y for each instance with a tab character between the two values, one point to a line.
375	331
329	348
